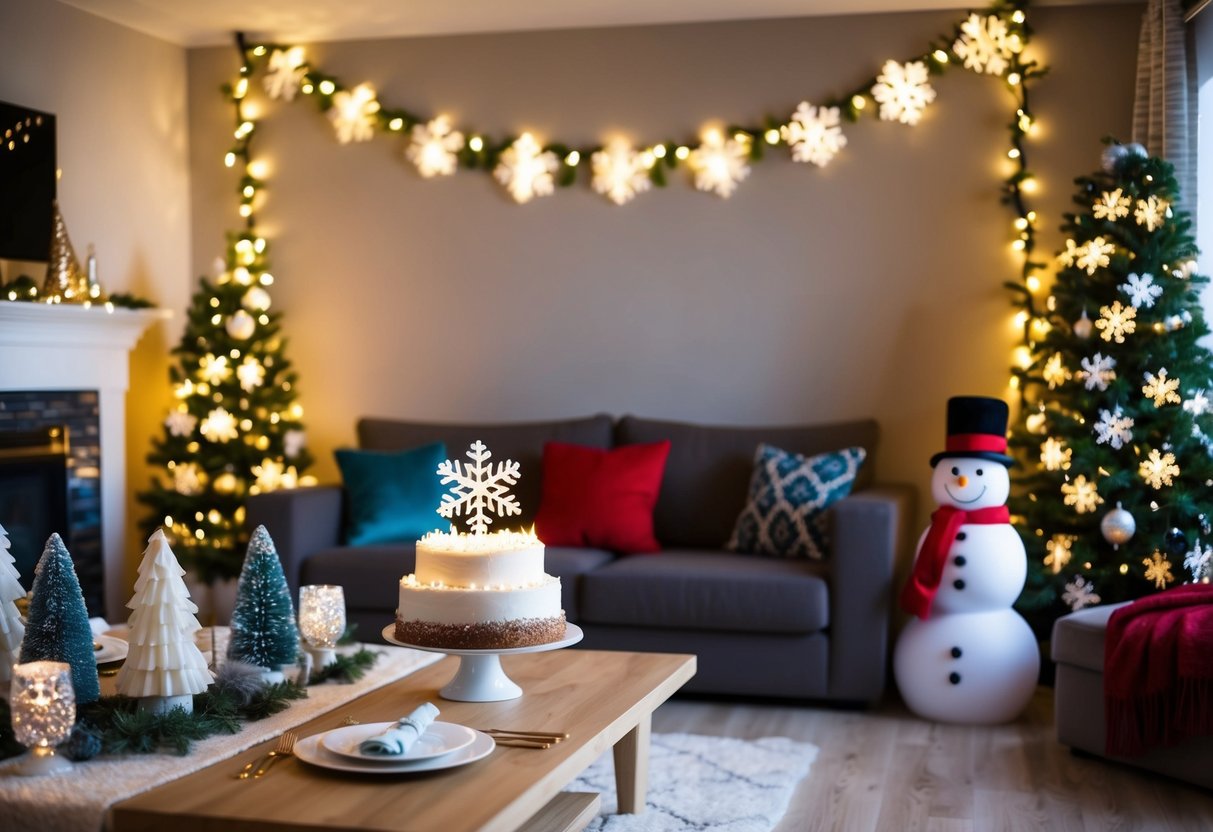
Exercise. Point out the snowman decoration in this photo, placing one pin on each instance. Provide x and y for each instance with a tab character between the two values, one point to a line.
967	656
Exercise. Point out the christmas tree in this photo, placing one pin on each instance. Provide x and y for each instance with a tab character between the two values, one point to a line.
1115	431
57	629
263	621
235	429
11	627
163	660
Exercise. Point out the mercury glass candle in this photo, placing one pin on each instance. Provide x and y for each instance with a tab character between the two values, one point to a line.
321	620
43	704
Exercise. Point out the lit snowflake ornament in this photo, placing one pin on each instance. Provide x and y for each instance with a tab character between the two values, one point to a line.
1113	428
1198	404
903	91
1067	257
1158	570
1199	562
187	479
180	422
1079	593
250	373
1098	371
984	44
479	488
268	474
1055	372
1054	455
1111	206
1093	256
1141	289
353	114
1116	321
1161	389
293	441
214	369
1059	548
1082	494
433	147
1159	469
720	164
525	169
219	426
814	134
619	172
1151	212
285	73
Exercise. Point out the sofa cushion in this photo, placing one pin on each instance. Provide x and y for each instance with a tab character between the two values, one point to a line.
708	472
520	441
1078	638
392	495
603	498
709	590
785	512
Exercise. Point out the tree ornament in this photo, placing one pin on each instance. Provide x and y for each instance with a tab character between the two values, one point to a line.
720	164
1151	212
1159	469
1199	563
1160	389
241	325
1118	526
1094	255
1111	205
214	369
57	627
814	134
526	169
64	277
1141	289
1112	156
1098	371
164	668
1079	593
1113	428
251	374
353	114
433	147
12	629
1177	541
188	479
619	172
219	426
1082	494
1158	570
1082	327
1116	321
256	299
903	91
263	621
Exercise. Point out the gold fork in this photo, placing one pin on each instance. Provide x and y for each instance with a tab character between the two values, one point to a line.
286	745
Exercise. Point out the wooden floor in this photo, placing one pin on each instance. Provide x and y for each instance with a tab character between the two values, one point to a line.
887	770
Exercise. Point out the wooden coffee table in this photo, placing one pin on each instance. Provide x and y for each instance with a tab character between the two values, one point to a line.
601	699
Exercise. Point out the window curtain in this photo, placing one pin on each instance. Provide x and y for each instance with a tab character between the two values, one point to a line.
1164	106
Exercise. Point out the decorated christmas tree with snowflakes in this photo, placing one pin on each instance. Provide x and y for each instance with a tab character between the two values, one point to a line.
235	428
1116	430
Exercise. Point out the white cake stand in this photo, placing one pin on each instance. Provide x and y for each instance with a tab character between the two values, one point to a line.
480	677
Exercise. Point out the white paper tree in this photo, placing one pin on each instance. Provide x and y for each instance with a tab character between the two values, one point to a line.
164	668
12	629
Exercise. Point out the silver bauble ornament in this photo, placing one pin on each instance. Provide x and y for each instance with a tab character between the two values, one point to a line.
1138	150
1118	526
241	325
1112	156
256	299
1082	327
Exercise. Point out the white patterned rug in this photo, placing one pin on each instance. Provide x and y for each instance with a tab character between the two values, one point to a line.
705	784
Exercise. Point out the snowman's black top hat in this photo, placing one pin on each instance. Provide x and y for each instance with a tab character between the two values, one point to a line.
977	429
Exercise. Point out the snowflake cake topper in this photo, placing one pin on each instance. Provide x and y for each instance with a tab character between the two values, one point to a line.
479	488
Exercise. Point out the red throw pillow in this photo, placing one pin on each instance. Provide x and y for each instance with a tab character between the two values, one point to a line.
600	498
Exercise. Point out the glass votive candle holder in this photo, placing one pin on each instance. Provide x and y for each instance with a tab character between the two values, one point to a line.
321	620
43	704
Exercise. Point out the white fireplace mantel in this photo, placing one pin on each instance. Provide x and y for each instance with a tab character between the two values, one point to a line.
71	347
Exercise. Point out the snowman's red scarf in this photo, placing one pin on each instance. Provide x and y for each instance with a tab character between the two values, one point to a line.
919	592
1158	670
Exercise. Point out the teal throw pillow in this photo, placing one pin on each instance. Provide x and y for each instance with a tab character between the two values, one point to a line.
785	513
391	496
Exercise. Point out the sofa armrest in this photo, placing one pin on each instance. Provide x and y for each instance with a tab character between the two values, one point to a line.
871	534
300	520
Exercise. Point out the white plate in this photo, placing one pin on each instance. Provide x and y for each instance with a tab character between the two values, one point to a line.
310	750
112	649
439	738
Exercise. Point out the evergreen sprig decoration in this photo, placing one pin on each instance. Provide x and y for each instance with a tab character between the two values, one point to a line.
346	668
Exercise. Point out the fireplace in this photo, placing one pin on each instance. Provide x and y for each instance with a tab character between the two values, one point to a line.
50	481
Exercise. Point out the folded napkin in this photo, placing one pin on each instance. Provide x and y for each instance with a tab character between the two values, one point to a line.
397	740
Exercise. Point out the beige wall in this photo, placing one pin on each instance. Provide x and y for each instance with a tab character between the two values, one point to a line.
120	100
872	288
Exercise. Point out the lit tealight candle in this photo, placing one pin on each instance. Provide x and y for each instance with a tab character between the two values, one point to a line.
43	704
321	620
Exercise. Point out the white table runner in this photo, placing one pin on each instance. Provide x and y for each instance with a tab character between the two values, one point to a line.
78	800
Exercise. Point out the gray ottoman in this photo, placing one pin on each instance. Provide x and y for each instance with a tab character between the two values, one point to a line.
1078	647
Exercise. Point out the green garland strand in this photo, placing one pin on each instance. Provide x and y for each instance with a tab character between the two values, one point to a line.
347	669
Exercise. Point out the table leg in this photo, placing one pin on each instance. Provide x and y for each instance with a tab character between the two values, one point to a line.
632	767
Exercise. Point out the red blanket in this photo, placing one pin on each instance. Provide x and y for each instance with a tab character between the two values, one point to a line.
1158	670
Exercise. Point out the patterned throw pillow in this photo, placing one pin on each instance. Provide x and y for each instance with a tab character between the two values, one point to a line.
785	513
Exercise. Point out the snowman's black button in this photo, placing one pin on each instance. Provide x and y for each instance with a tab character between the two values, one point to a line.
958	583
956	652
954	678
959	560
961	535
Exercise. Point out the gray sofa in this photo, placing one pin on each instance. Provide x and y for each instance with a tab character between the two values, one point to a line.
760	626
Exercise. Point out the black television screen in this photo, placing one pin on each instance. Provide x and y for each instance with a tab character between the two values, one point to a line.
27	182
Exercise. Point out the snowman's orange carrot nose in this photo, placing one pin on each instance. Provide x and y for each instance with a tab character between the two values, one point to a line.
962	480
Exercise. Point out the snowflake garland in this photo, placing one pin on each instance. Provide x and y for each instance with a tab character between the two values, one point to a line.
1151	212
525	169
1082	494
984	44
180	422
285	73
479	488
1054	455
903	91
720	164
1158	570
1060	551
1079	593
814	134
619	172
1092	256
1098	371
353	114
1111	206
1161	389
1141	289
1116	321
433	147
1113	428
1159	469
